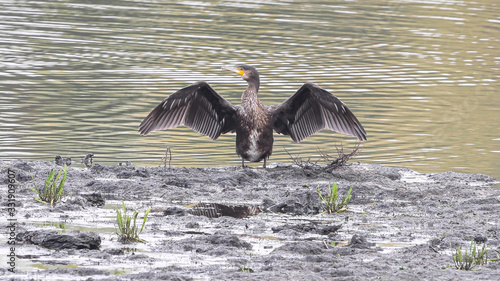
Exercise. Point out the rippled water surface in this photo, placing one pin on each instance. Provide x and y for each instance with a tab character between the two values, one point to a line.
422	76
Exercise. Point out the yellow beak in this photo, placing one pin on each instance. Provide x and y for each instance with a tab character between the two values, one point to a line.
234	69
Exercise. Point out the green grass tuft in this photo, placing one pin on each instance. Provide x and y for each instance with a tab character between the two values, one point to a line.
471	257
52	190
331	203
128	231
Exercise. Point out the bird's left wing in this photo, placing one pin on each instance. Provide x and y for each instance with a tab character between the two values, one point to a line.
198	107
311	109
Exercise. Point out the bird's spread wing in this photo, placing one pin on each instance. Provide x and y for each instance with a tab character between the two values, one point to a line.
311	109
198	107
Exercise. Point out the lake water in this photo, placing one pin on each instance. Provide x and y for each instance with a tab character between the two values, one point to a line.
421	76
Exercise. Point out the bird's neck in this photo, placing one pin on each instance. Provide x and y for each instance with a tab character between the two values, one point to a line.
249	97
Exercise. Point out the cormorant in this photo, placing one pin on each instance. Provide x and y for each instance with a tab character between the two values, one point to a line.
202	109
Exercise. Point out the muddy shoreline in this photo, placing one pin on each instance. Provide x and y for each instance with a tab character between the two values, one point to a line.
400	224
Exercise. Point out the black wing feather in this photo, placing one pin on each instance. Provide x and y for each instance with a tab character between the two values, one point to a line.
311	109
198	107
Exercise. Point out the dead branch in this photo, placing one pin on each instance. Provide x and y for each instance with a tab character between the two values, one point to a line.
308	166
342	158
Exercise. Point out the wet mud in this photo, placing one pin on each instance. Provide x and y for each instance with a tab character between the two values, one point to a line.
251	224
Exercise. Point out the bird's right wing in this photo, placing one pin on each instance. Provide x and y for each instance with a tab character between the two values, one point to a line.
198	107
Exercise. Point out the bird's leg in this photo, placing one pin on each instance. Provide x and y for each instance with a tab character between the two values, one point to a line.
242	163
265	160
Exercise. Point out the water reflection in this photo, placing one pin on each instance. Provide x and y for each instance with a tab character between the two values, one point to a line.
421	77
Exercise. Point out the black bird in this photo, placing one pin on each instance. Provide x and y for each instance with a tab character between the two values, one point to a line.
202	109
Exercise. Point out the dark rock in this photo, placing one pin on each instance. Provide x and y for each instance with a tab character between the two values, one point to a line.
97	168
267	203
329	229
308	228
170	211
231	241
72	204
301	204
295	208
115	252
360	242
126	174
57	241
82	201
138	257
480	239
303	248
94	199
192	225
184	183
297	227
437	244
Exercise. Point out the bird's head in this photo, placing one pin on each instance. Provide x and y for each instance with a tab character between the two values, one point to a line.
247	72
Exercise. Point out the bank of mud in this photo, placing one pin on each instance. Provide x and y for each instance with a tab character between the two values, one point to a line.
400	224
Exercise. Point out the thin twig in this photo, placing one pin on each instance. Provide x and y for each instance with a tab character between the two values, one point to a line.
167	157
304	165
